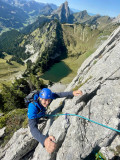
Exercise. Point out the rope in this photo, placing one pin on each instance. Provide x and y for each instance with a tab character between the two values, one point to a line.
99	156
85	119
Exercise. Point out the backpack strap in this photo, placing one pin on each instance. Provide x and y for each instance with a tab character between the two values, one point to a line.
33	102
36	96
41	110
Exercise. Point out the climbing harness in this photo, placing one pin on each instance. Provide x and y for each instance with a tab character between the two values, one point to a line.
67	120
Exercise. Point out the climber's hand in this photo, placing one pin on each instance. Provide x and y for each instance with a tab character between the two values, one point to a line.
77	93
50	144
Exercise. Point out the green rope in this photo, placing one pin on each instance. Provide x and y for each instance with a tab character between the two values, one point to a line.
99	156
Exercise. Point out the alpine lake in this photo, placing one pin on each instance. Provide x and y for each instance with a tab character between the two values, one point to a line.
57	72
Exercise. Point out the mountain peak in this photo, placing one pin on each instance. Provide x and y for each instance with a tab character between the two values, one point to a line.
85	12
63	12
66	3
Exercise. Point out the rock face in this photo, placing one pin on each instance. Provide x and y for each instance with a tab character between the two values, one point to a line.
20	144
62	13
117	19
2	132
99	79
59	87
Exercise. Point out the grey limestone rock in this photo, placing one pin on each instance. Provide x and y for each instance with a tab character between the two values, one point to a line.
19	145
112	149
2	132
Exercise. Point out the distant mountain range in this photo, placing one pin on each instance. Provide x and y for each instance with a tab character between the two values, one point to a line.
31	7
11	16
19	13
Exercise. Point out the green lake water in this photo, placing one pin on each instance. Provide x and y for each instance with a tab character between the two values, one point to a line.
57	72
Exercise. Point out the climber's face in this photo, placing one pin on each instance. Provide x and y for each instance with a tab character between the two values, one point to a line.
45	102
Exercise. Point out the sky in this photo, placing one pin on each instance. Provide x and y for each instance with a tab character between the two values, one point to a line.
103	7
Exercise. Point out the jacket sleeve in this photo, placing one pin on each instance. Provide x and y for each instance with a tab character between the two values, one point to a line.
33	124
35	131
62	94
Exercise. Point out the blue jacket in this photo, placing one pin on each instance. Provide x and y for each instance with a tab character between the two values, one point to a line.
36	111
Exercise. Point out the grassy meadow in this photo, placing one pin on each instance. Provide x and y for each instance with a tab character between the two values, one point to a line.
74	64
8	72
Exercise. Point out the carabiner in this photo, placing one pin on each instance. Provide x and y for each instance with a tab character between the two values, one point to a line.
67	124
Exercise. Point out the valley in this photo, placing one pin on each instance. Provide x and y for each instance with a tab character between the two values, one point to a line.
51	42
79	40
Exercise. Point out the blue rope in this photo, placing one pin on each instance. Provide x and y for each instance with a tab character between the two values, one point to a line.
86	119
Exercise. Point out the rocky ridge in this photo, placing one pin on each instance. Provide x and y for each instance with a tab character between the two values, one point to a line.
39	40
99	79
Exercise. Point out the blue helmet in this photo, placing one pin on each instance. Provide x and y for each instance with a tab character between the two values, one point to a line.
45	93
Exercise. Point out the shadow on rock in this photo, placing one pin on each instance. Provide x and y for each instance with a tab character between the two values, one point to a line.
115	158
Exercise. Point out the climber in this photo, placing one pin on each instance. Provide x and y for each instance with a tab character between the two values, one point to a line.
37	109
